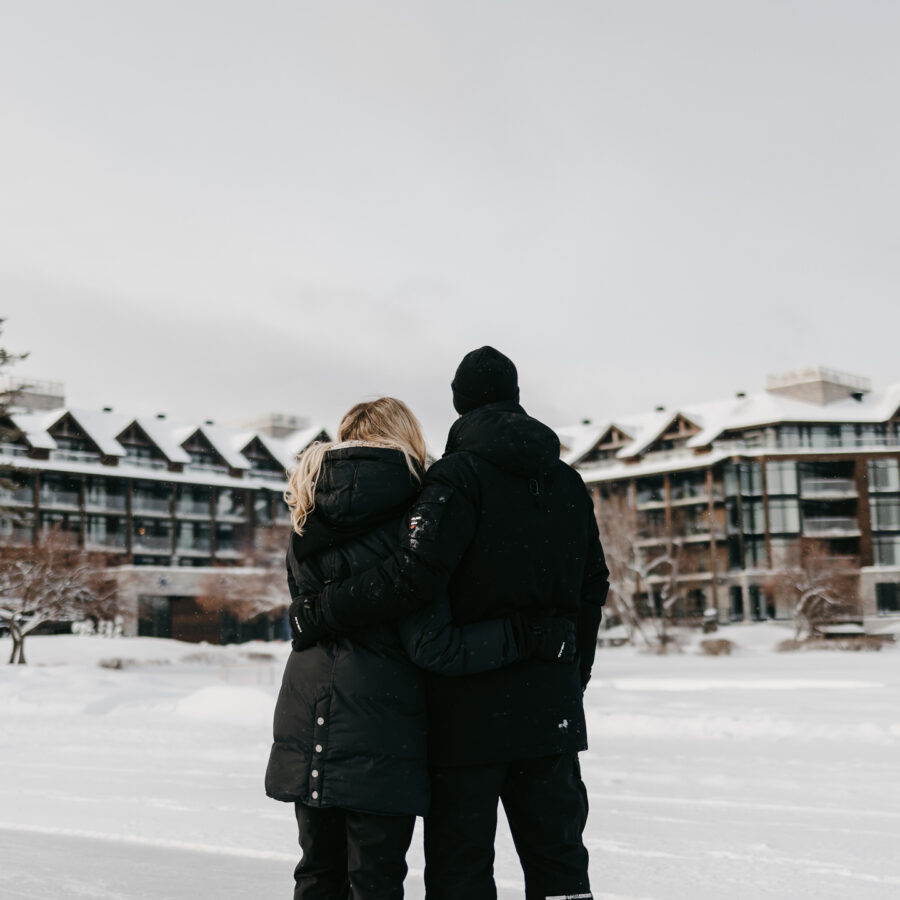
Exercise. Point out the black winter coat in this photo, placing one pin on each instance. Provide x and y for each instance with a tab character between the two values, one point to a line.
504	526
350	720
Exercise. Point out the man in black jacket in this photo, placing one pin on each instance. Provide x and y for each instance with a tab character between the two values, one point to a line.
506	527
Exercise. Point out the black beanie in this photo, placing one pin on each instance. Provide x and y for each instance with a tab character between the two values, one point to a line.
484	376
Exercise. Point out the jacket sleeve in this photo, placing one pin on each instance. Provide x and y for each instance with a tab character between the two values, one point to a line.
594	589
439	527
435	643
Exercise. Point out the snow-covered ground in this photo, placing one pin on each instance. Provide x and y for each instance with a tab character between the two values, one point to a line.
755	775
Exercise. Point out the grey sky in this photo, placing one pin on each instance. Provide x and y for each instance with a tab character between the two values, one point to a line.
219	208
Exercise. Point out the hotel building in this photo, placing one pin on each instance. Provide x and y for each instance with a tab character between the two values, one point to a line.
739	481
166	503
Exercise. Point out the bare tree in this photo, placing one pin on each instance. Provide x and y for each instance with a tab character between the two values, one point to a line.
50	581
637	565
817	585
257	589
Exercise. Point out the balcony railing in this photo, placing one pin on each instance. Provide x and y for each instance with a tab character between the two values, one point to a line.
197	545
835	526
150	504
60	498
109	501
231	513
158	543
192	507
263	475
75	455
208	467
13	450
828	487
110	542
229	550
144	463
17	534
17	495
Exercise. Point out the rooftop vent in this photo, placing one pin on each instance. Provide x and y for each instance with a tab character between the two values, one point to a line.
740	395
209	422
818	385
160	415
660	409
585	421
107	409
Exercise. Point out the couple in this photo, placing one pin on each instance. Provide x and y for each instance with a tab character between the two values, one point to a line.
444	629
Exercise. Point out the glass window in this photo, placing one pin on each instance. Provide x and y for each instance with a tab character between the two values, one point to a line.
751	478
737	603
781	551
754	520
886	513
887	550
650	490
262	507
788	436
884	475
781	477
755	553
154	616
888	598
784	516
194	499
230	503
731	480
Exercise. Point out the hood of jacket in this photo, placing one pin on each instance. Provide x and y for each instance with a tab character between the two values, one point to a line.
359	488
505	435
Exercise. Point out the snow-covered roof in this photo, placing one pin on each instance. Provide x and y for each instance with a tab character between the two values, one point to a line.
735	414
103	429
294	444
161	433
226	440
33	426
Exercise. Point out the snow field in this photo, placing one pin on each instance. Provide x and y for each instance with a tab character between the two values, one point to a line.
754	775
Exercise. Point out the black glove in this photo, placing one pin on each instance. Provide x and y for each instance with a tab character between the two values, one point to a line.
300	640
544	637
307	622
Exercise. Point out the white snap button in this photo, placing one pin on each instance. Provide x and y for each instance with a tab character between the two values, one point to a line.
318	748
315	795
315	773
320	721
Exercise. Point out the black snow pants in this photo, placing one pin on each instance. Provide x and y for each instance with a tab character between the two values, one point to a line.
351	855
546	805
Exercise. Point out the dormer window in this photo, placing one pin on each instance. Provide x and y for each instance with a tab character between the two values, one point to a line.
140	450
72	442
203	455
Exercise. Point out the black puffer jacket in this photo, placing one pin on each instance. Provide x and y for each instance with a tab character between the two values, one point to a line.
350	722
504	526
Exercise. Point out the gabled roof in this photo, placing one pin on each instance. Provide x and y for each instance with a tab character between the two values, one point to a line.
34	425
645	430
294	444
102	428
736	414
161	433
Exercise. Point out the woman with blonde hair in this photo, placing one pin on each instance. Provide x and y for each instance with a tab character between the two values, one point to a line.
350	721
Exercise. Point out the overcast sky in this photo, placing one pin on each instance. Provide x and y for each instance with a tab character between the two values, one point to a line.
219	208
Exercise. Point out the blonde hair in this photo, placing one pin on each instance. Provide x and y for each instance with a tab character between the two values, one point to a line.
385	422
